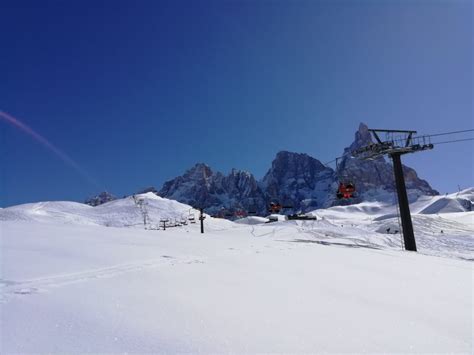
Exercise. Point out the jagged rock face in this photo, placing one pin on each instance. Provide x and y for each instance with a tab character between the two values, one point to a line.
243	192
413	182
192	188
375	178
298	180
362	138
100	199
201	187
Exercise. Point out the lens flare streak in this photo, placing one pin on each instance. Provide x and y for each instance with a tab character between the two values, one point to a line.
40	139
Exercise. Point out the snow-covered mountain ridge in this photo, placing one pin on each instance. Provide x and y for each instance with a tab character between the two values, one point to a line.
437	219
127	212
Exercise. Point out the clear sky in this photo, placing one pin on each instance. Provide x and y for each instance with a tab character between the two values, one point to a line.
136	92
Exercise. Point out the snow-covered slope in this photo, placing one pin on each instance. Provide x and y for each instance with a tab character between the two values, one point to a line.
251	220
124	212
444	225
461	201
283	287
338	284
54	211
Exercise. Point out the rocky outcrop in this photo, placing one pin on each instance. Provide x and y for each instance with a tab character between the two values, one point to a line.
146	190
298	180
100	199
214	191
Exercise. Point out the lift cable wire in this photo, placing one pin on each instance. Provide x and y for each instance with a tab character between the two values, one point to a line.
425	136
454	141
332	161
429	136
447	133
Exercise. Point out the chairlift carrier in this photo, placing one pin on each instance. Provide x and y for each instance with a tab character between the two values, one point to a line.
346	187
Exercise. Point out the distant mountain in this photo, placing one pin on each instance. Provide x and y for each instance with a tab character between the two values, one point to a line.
201	187
146	190
100	199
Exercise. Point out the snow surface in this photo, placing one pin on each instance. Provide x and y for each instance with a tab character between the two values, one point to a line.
251	220
124	212
77	279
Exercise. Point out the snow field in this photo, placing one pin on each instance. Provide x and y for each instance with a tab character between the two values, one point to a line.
77	279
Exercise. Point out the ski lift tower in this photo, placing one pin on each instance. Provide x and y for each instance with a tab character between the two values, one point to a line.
202	217
395	148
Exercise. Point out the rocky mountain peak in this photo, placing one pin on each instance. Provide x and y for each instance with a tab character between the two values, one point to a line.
375	177
290	164
199	171
298	179
362	137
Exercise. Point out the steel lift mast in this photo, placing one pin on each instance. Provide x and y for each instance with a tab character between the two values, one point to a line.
395	148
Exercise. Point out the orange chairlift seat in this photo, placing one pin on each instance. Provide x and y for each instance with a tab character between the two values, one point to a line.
345	190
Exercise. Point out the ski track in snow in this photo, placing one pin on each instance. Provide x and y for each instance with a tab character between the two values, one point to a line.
12	288
456	242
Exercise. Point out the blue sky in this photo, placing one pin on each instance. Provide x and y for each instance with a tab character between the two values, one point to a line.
137	92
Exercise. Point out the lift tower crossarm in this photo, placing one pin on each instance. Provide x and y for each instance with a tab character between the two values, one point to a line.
390	130
377	138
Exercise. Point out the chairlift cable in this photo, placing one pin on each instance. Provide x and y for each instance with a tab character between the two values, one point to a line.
342	190
455	141
448	133
427	136
332	161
